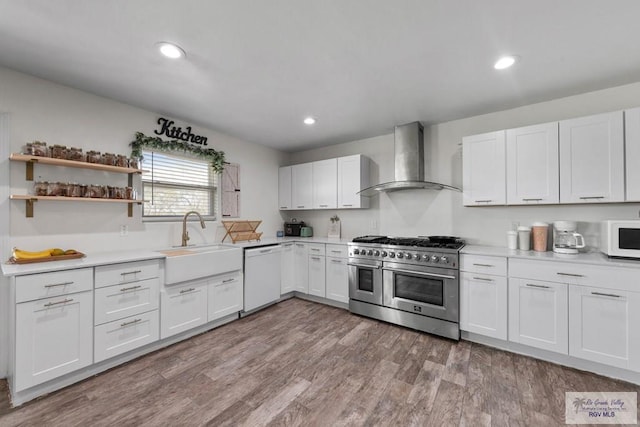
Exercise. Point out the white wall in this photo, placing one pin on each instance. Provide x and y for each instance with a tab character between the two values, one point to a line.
419	212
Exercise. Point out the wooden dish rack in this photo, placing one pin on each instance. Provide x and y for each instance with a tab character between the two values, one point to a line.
242	230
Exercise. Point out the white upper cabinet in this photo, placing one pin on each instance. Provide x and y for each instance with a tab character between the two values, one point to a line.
353	176
632	153
284	187
301	186
325	184
592	159
532	165
483	169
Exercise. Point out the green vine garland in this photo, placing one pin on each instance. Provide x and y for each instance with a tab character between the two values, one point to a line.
155	143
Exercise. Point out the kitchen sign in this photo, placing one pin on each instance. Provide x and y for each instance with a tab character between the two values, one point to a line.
167	128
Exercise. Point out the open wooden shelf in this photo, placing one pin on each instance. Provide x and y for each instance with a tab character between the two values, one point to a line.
30	160
31	199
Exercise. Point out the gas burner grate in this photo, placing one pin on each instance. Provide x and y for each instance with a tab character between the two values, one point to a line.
437	242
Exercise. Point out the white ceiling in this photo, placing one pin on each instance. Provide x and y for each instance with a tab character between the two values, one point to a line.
256	68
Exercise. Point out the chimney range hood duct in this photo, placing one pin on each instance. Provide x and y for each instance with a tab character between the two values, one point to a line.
409	163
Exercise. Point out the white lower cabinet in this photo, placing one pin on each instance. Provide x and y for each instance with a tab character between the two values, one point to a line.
317	275
538	314
120	301
54	336
483	304
301	267
337	285
603	326
129	333
225	295
183	307
287	275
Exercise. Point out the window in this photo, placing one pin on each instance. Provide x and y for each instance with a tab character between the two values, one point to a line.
174	185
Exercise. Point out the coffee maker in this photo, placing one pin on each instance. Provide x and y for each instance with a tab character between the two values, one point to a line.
565	238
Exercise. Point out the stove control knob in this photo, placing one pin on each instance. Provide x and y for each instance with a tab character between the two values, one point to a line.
417	257
383	254
400	255
377	253
392	255
408	255
370	252
435	258
444	260
426	257
356	251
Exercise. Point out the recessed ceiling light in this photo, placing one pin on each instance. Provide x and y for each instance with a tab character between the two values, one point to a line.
171	50
505	62
309	121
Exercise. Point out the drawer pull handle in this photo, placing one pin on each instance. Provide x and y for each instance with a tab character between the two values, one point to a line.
335	252
300	245
300	206
317	258
228	280
591	197
184	291
126	273
570	274
484	265
283	207
315	249
337	261
130	288
531	200
538	286
483	201
53	285
605	295
49	304
133	322
483	278
347	205
323	206
265	251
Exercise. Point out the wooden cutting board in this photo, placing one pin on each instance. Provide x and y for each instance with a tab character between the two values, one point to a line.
12	260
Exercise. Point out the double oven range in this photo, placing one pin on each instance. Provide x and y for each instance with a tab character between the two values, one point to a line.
413	282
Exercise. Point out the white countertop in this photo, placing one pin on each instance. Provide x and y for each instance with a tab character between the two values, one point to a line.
277	240
91	260
592	257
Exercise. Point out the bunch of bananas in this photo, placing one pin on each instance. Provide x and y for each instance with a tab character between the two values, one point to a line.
20	254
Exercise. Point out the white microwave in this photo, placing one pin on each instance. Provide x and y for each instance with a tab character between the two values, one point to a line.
620	238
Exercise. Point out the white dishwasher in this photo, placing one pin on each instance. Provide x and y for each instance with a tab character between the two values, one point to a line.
261	276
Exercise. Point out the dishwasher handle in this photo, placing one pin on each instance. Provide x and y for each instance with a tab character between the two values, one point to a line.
262	250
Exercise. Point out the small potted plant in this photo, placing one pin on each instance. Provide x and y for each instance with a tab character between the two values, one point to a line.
334	227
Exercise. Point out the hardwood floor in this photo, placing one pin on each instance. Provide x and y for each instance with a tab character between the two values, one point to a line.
302	363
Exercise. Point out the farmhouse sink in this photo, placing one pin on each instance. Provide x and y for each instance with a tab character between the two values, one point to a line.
194	262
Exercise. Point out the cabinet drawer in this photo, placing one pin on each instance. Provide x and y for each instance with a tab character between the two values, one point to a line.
576	274
493	265
301	248
315	248
337	251
45	285
119	301
126	334
107	275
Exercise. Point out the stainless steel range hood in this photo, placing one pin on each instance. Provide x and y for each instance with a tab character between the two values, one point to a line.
409	163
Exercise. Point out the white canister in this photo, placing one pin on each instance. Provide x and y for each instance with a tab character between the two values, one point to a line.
512	239
524	238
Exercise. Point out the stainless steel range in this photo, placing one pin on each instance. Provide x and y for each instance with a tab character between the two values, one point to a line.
412	282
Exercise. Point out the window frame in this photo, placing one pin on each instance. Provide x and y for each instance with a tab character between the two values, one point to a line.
216	200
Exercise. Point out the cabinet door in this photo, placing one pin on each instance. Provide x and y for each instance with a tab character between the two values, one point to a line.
287	279
632	153
317	274
483	304
603	326
533	176
54	336
301	268
225	296
483	169
325	184
337	279
353	176
183	307
301	186
592	159
538	314
284	187
114	338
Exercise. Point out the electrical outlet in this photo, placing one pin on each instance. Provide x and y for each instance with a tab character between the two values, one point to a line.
124	230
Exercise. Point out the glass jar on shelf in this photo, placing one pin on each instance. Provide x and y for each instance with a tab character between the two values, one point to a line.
122	161
41	188
59	152
74	189
93	157
134	163
94	191
39	148
75	154
130	193
108	159
58	189
28	149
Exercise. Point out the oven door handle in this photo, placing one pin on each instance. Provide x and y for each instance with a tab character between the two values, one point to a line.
365	266
418	273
